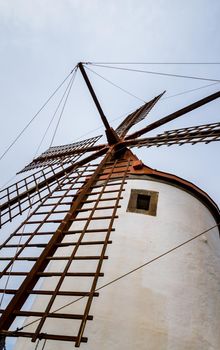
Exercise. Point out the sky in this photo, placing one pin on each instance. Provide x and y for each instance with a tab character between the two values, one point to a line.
42	41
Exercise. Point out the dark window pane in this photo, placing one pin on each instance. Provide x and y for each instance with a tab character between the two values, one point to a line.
143	202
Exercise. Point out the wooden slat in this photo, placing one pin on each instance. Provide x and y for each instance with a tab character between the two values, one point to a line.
55	241
42	336
51	315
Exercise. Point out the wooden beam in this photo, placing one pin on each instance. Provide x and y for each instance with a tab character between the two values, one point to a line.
174	115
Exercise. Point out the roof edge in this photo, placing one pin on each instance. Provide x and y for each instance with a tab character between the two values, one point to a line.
181	183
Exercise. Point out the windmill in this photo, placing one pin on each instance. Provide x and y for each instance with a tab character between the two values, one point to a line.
75	192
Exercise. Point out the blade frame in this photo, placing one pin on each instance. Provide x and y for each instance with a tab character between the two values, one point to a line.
174	115
137	116
192	135
46	183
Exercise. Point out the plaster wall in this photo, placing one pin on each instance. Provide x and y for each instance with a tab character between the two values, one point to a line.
172	303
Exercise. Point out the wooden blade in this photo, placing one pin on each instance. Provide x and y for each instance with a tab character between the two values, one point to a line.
174	115
63	154
22	195
136	116
54	225
195	134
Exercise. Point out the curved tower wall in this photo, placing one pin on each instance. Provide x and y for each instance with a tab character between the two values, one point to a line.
172	303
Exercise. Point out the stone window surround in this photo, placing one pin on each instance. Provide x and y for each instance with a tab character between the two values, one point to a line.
132	204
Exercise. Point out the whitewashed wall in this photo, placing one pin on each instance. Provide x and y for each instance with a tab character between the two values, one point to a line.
173	303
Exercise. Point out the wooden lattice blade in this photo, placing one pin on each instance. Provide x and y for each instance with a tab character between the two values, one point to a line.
136	116
64	220
174	115
195	134
63	154
22	195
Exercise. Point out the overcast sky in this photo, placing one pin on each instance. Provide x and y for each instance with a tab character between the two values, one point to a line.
42	40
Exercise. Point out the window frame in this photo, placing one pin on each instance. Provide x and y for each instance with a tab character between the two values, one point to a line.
132	204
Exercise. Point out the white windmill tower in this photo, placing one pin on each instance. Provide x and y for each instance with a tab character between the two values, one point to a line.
98	220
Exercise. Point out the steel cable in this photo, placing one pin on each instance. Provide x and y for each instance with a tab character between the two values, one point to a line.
156	63
110	82
34	117
157	73
64	105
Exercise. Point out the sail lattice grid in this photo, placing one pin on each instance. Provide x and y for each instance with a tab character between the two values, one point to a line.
52	263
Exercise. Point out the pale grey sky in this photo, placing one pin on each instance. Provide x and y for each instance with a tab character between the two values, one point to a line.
42	40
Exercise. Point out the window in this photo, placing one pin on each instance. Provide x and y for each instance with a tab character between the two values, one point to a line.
143	202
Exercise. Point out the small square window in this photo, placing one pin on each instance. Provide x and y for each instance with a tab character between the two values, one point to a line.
143	202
